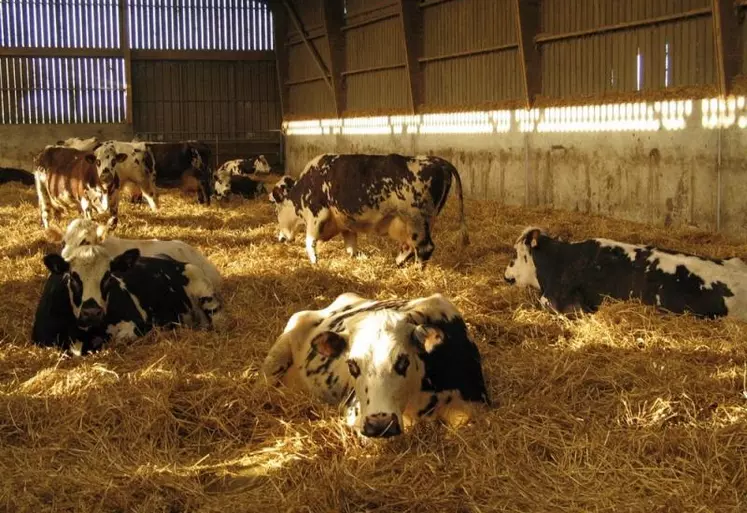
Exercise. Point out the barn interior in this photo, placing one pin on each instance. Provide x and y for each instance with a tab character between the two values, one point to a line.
622	120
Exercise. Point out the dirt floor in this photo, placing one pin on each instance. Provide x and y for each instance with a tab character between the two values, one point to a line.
625	410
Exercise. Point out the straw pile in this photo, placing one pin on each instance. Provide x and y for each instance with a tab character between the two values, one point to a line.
626	410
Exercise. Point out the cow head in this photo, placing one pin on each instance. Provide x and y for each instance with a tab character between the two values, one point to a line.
81	232
87	274
385	362
521	270
289	222
261	165
107	159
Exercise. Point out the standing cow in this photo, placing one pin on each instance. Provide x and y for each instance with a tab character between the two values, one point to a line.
226	178
390	362
136	165
185	162
94	296
578	275
385	194
67	178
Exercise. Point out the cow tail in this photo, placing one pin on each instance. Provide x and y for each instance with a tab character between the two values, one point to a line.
462	219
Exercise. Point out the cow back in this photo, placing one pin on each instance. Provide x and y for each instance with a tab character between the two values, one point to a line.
68	170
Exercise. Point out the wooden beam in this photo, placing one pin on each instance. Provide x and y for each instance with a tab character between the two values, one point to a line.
60	52
334	18
527	24
312	50
202	55
726	35
412	35
124	47
280	26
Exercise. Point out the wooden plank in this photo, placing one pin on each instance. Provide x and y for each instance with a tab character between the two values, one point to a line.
726	38
124	48
60	52
334	18
280	21
309	45
412	33
202	55
527	15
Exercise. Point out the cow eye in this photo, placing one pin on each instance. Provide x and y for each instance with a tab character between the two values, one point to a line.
401	365
355	371
98	162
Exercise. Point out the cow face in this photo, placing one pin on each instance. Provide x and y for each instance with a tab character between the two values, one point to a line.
281	189
107	159
261	165
289	222
521	270
81	232
385	364
87	274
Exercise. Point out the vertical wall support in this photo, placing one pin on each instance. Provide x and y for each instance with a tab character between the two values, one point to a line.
124	46
334	18
309	45
412	33
280	26
527	27
726	35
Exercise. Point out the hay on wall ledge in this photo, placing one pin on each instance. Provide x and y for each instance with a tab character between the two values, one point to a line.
626	410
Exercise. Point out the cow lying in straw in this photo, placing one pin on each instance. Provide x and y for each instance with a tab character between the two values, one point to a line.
93	296
85	232
389	362
578	275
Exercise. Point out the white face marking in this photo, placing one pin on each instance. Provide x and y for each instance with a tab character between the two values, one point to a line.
261	165
521	270
125	331
289	223
377	342
88	264
80	232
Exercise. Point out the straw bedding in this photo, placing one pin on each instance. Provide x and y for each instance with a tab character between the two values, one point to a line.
625	410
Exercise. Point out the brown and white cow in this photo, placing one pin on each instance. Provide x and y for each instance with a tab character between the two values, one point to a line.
68	179
386	194
186	163
133	163
223	177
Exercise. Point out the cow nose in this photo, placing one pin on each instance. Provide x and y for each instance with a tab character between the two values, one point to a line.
282	237
382	425
91	314
510	281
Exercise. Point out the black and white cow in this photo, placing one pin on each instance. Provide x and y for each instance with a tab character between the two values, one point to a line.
185	163
11	174
385	194
575	276
227	178
94	296
389	362
86	232
77	143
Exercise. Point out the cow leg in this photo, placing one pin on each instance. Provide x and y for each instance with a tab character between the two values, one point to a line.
311	247
113	210
278	360
44	200
151	195
351	243
421	238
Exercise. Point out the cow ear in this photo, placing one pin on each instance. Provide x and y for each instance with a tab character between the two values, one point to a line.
120	157
532	238
56	264
276	196
91	158
329	344
122	263
102	231
427	338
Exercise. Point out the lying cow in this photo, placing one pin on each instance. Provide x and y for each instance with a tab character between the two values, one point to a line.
133	163
67	179
184	162
119	297
578	275
385	194
390	362
85	232
223	178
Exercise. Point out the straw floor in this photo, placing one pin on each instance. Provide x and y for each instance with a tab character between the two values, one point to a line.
626	410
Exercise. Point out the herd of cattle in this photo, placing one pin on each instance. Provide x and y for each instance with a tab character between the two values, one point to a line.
389	362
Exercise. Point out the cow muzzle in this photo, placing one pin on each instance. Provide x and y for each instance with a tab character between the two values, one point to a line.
382	425
282	237
91	314
509	280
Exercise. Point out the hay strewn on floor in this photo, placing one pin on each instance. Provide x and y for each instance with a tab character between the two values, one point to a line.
627	410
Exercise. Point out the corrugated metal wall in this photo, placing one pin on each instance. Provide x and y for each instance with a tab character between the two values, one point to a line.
470	57
591	48
205	99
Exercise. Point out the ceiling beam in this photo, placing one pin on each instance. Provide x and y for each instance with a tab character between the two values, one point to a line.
726	35
334	19
412	35
527	25
309	45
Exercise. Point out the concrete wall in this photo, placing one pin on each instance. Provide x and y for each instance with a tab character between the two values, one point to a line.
19	144
666	178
